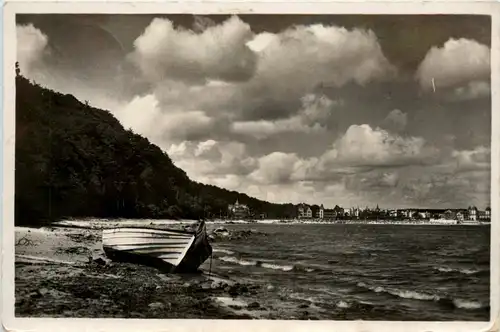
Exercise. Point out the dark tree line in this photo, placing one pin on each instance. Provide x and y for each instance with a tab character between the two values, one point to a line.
73	160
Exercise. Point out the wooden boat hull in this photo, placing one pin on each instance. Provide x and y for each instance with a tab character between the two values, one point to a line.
169	250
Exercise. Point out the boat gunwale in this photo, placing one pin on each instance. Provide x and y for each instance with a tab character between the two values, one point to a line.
152	228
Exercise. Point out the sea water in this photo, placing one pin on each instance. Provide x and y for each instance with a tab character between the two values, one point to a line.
371	272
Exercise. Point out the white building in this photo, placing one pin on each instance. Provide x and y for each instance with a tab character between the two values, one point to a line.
321	212
472	213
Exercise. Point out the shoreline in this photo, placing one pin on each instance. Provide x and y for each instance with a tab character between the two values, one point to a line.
107	223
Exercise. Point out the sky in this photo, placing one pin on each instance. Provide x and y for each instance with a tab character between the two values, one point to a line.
354	110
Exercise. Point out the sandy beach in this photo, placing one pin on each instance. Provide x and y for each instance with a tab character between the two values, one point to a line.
62	272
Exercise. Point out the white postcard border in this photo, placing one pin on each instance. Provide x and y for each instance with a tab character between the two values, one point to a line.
10	323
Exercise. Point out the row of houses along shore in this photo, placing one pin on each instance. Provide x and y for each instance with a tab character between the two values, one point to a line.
471	213
319	212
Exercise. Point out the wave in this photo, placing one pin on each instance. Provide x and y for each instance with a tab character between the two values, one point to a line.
414	295
235	260
405	294
303	297
467	304
343	304
264	264
224	251
463	271
277	267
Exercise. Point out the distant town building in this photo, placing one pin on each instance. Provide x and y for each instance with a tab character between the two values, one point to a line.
423	214
449	214
321	212
472	213
238	211
329	214
315	210
484	215
339	212
481	215
304	211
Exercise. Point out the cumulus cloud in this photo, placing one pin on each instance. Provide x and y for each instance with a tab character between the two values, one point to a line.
276	74
472	90
186	124
364	146
164	52
383	167
145	116
359	150
318	53
201	23
457	62
396	120
472	160
140	114
458	179
288	65
315	109
31	47
209	160
276	167
261	41
297	60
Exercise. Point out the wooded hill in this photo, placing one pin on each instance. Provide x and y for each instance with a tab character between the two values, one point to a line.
73	160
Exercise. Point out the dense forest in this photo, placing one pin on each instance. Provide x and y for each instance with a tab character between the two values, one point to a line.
73	160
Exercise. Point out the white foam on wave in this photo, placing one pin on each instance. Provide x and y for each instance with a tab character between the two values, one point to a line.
266	264
468	271
446	269
406	294
227	301
277	267
343	304
235	260
410	294
224	251
467	304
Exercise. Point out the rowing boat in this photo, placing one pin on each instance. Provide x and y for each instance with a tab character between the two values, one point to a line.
172	250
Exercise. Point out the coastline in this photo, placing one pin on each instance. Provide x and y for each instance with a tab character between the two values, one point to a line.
106	223
348	222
